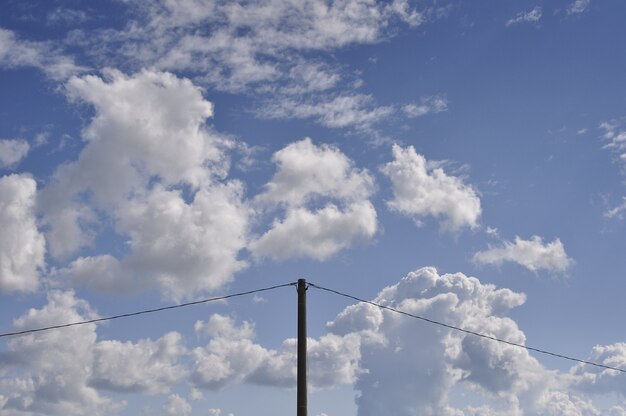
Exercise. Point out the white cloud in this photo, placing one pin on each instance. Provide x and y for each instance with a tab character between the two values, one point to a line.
15	53
231	356
420	189
618	211
317	234
428	105
242	43
186	247
218	412
578	6
12	151
526	17
22	247
146	366
309	174
532	254
54	366
177	406
306	171
410	367
615	134
617	411
183	248
339	111
596	380
181	244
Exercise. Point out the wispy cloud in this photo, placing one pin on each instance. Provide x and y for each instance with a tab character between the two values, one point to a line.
432	104
531	16
578	6
16	52
338	111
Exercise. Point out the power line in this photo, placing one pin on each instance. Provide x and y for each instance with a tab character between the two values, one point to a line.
146	311
249	292
467	331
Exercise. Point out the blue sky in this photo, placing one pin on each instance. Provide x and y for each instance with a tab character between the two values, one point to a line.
463	161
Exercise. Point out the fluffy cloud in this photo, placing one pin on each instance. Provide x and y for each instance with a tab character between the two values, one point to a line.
22	247
64	371
12	151
181	247
421	188
177	406
146	366
231	356
319	234
309	174
306	171
596	380
428	105
15	52
152	166
410	367
532	254
526	17
55	366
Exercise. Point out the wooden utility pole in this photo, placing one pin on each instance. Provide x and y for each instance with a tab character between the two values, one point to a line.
302	393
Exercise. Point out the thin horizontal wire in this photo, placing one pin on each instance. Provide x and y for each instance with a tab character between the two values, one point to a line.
467	331
142	312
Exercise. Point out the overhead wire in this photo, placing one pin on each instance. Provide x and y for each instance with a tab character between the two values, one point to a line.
309	284
145	311
467	331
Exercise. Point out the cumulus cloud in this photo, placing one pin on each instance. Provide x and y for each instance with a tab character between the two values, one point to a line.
22	246
152	166
596	380
231	356
54	367
423	189
578	6
532	16
307	175
65	371
410	367
145	366
532	254
317	234
16	52
12	151
305	170
177	406
428	105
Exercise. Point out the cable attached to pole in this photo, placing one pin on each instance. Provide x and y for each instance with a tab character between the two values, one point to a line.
164	308
467	331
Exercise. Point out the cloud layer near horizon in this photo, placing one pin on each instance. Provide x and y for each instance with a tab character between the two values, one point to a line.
397	364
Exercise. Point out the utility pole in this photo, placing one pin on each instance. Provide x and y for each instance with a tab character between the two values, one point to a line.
302	394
